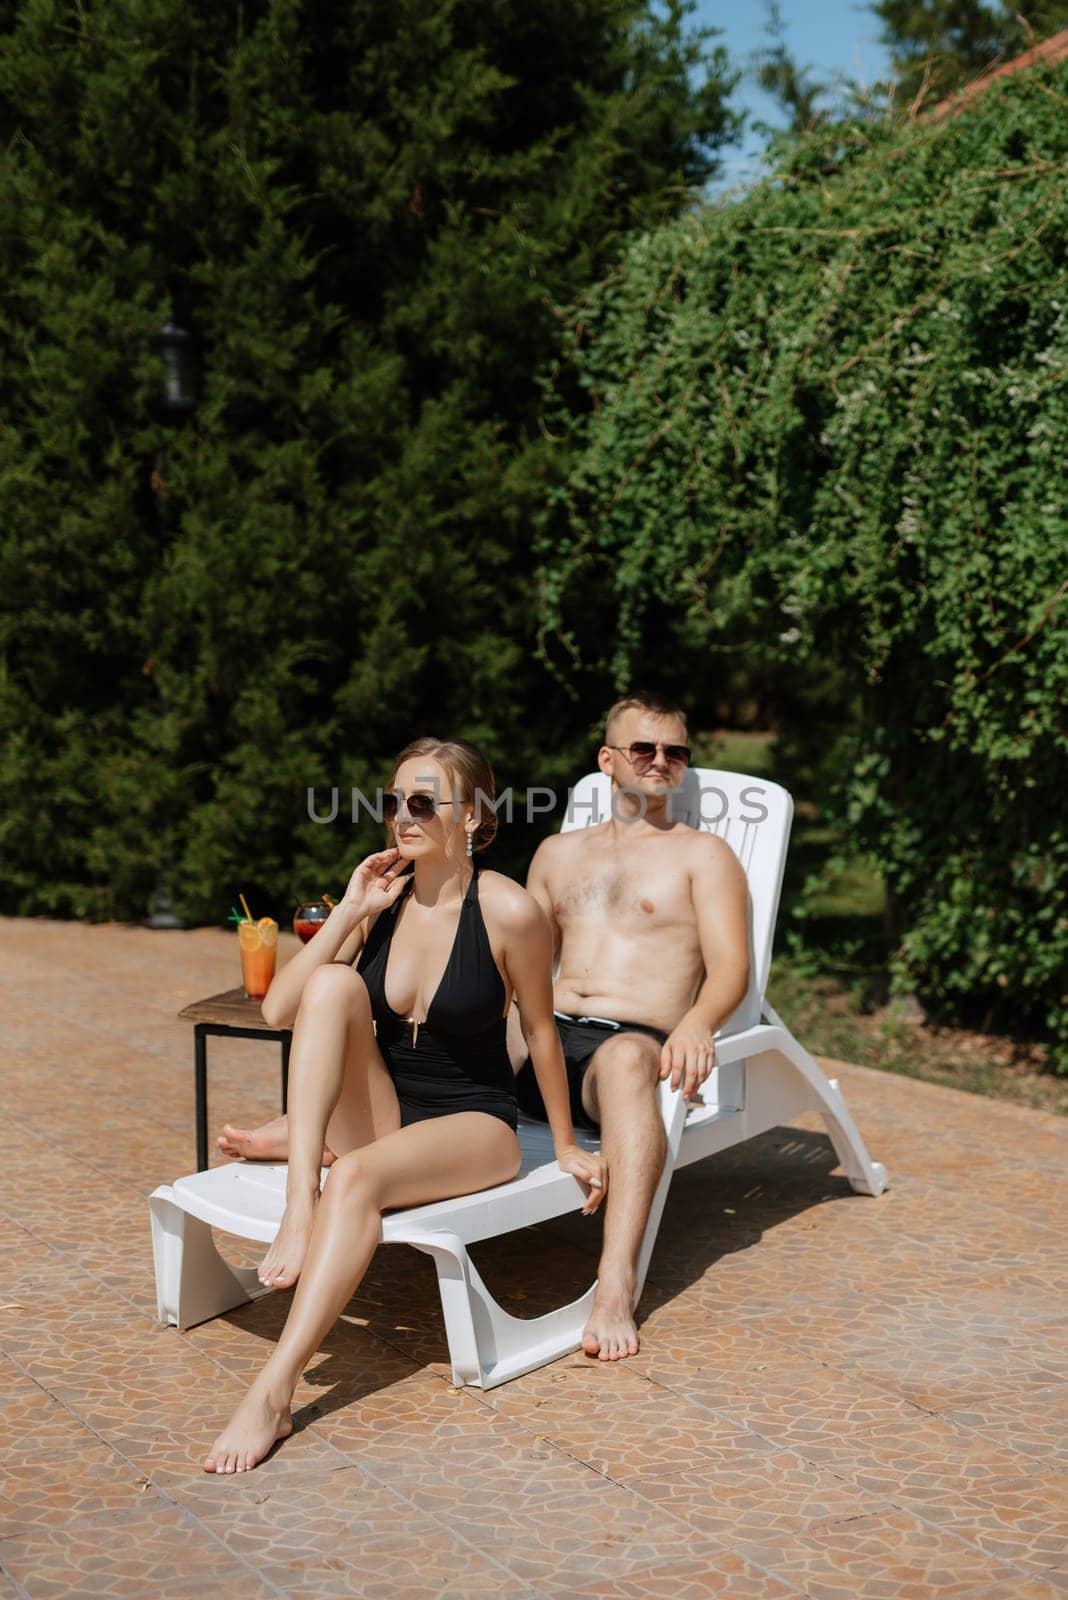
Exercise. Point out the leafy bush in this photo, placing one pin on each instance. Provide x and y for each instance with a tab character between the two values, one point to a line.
828	422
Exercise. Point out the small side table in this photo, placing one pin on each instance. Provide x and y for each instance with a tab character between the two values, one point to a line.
234	1014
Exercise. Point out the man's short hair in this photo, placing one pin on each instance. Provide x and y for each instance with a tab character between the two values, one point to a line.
642	700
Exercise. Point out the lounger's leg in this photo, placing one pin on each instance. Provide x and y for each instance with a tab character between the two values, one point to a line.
193	1282
487	1346
865	1175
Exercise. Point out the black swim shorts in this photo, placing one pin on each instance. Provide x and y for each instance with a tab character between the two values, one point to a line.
580	1038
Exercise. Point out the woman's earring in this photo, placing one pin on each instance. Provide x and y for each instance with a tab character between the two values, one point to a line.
470	843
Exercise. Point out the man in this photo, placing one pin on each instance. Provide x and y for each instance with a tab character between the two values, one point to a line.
650	923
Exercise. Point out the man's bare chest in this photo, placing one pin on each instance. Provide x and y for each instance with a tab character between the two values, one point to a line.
639	895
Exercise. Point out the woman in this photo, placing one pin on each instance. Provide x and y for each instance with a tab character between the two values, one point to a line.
400	1063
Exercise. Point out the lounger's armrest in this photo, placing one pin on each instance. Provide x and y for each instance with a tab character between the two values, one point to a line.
736	1046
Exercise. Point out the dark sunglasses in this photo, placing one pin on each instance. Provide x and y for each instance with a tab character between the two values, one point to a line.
642	753
420	807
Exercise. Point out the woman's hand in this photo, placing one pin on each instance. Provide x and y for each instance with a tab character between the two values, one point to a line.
375	884
590	1169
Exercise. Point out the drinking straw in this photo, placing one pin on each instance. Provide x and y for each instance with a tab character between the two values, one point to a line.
244	902
327	901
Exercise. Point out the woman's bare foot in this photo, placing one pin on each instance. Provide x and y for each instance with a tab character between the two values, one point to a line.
610	1332
259	1421
280	1267
270	1142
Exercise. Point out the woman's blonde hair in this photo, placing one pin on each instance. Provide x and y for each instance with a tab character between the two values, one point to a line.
467	767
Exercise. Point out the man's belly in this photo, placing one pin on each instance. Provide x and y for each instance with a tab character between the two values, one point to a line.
656	998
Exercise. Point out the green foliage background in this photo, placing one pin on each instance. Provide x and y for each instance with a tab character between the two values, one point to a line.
367	214
827	425
804	450
936	46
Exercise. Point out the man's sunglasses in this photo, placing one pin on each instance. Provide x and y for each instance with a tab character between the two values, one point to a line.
420	807
642	753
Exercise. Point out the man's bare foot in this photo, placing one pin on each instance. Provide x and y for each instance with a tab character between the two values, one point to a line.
610	1334
280	1267
258	1422
270	1142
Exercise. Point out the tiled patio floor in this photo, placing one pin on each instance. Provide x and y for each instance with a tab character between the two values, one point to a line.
837	1397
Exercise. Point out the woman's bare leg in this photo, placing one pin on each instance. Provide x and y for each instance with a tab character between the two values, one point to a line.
427	1161
340	1093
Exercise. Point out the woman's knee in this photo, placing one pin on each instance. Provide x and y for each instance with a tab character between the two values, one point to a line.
336	985
352	1181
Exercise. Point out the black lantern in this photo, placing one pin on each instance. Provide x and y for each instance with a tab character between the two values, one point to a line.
175	345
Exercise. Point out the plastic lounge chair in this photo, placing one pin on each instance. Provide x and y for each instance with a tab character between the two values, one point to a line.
761	1079
762	1076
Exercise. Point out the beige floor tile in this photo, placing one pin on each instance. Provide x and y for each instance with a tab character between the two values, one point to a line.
153	1551
798	1406
1034	1422
547	1518
44	1488
33	1419
654	1437
756	1497
893	1556
1021	1520
567	1386
718	1577
918	1459
344	1534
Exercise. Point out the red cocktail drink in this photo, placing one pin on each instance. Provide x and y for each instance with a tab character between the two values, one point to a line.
308	919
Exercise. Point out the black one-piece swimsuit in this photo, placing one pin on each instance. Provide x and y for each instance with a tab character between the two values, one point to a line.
459	1061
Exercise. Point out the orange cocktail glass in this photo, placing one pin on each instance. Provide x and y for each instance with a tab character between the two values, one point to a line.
259	950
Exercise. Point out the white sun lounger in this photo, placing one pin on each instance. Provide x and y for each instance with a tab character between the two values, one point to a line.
762	1078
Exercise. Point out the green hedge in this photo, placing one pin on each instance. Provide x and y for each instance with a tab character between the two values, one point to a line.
828	424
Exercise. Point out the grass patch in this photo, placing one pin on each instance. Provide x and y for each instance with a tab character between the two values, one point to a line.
832	1017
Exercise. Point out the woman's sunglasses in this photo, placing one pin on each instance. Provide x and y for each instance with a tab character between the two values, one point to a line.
642	753
420	807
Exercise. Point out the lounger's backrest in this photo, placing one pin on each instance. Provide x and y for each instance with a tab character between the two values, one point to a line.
753	816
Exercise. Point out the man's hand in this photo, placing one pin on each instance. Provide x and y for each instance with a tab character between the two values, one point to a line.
688	1056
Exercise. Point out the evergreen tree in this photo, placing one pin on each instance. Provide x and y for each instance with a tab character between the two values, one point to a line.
938	45
366	214
779	74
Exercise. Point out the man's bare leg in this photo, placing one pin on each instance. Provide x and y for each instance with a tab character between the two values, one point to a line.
619	1092
337	1080
268	1142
